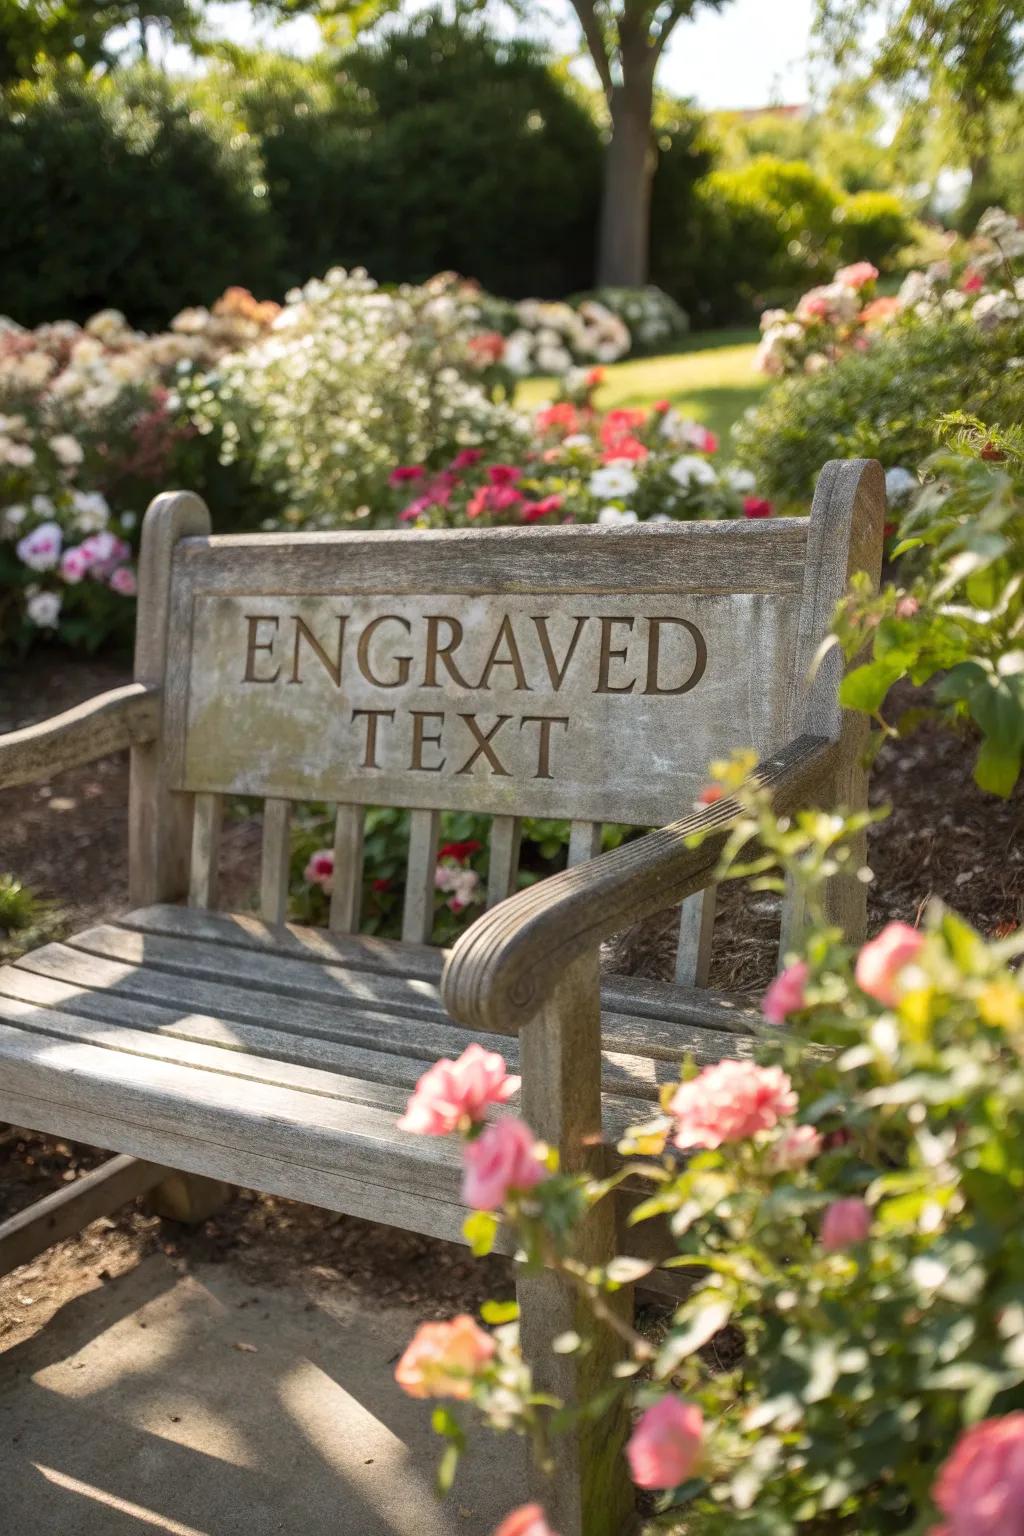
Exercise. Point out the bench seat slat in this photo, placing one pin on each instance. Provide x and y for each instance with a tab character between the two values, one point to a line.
627	994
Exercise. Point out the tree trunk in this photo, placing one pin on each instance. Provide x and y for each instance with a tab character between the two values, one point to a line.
628	170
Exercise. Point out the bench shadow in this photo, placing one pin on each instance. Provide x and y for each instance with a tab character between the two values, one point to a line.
196	1406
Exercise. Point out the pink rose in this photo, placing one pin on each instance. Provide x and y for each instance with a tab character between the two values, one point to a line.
907	607
466	458
846	1222
320	869
123	581
74	566
665	1445
443	1359
795	1148
502	474
403	474
786	993
880	962
503	1158
453	1095
857	275
528	1521
730	1101
980	1486
104	553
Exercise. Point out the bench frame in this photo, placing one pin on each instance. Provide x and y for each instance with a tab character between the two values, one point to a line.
529	965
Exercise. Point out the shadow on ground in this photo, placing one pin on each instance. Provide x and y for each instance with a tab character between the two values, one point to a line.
197	1405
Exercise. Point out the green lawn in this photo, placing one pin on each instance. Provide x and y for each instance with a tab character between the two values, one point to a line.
710	378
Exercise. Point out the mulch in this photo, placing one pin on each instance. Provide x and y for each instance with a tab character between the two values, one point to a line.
943	839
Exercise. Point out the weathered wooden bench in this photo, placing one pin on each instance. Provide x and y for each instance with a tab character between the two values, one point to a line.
585	673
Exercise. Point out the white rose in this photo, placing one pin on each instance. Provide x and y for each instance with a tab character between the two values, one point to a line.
611	517
691	470
67	449
900	483
43	608
614	479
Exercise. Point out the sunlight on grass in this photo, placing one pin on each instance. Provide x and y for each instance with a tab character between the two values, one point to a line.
711	378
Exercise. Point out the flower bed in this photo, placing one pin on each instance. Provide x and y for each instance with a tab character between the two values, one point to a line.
848	315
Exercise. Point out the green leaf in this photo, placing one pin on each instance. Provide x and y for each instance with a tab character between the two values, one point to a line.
498	1312
480	1229
997	768
865	687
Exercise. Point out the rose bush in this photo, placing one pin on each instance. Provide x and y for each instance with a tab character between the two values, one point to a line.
958	614
849	1209
848	315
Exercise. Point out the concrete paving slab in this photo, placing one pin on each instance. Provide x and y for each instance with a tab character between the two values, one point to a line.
196	1405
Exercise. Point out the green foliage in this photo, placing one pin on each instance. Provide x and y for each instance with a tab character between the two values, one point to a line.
873	226
962	541
127	194
24	918
750	237
883	403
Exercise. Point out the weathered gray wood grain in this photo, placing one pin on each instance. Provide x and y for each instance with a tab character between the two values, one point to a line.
159	820
275	864
124	717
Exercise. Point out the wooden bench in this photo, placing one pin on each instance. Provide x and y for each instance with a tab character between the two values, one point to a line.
586	673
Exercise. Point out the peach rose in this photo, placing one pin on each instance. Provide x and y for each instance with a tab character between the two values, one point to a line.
846	1222
665	1445
527	1521
880	962
443	1359
453	1095
730	1101
980	1486
857	275
786	993
503	1158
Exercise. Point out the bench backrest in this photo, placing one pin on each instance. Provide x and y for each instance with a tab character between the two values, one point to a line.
584	673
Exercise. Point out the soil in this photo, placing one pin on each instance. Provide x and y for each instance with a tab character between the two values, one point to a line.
68	841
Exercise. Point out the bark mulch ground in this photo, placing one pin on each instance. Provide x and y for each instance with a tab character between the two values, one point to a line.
68	841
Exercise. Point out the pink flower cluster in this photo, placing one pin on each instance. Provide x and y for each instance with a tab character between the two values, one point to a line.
730	1101
102	556
501	1159
527	1521
980	1486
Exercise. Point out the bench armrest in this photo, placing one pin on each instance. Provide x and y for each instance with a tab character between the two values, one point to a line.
124	717
504	967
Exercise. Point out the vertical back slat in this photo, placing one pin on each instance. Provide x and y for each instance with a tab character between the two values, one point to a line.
503	861
203	883
276	865
346	894
696	927
418	912
584	841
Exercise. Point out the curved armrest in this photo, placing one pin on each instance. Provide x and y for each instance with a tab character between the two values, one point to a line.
124	717
503	968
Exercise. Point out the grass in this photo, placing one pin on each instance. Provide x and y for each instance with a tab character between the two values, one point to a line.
710	378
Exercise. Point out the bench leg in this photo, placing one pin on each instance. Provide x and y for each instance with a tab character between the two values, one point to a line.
589	1492
188	1198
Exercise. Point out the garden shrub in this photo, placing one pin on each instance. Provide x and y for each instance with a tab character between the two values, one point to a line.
873	226
849	1211
883	403
125	193
757	234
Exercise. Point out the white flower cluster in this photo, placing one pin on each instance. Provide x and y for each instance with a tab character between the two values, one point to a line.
461	886
347	382
550	337
655	321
